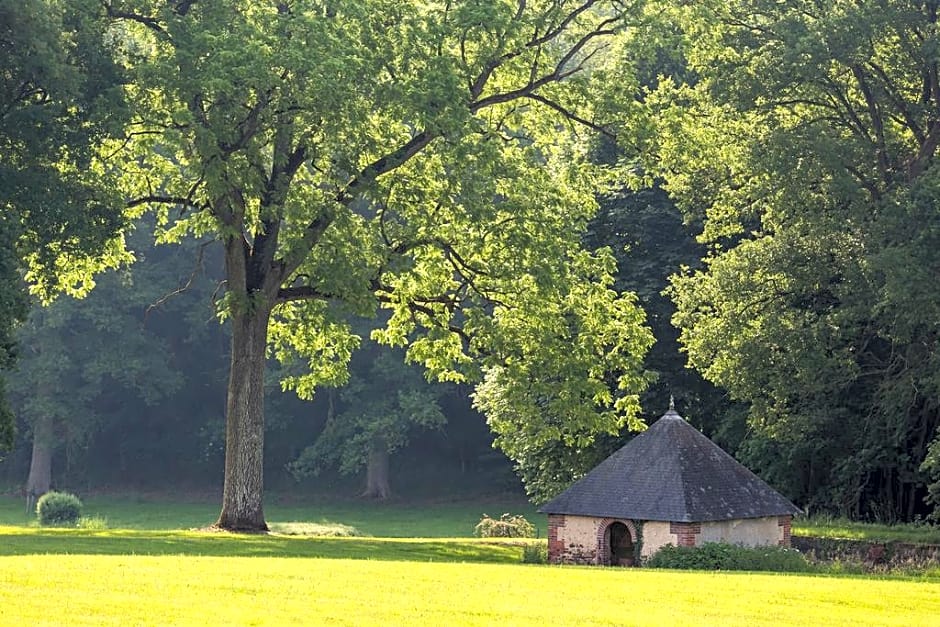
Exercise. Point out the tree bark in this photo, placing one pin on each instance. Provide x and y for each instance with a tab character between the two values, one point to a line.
242	494
40	465
377	486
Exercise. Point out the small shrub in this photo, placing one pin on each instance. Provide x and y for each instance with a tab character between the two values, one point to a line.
720	556
58	508
535	553
507	526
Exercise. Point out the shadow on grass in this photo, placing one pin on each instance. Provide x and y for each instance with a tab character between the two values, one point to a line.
14	541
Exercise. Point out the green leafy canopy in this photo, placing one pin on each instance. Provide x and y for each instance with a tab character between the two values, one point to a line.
428	158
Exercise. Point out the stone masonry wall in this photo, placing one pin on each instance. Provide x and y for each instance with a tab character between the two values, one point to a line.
580	539
744	532
572	539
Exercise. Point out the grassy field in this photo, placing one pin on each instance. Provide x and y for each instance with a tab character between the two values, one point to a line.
397	582
390	520
846	529
411	565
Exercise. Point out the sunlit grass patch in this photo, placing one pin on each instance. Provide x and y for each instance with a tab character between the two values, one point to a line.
146	577
331	530
26	541
842	528
172	589
393	519
95	523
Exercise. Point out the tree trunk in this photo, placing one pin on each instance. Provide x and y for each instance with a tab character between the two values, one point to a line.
242	494
377	486
40	465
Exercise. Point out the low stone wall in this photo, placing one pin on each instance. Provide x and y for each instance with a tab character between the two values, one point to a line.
873	553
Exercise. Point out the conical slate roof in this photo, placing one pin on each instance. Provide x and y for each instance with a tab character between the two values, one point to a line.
671	472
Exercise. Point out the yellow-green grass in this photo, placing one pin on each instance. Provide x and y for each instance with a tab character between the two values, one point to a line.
20	541
149	590
394	519
842	528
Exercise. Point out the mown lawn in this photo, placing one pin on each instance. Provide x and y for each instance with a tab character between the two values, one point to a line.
147	568
289	589
390	520
825	527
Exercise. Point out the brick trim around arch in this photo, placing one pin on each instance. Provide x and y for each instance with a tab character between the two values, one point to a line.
603	538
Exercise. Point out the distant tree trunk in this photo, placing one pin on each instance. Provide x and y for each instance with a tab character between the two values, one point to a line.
40	465
377	486
242	494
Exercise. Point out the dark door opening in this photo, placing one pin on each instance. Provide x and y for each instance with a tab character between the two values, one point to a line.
621	545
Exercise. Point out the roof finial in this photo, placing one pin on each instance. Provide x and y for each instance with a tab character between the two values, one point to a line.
672	403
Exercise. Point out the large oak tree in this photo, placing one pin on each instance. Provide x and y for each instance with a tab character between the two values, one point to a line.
427	157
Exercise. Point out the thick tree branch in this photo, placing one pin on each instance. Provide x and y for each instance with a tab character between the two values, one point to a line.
151	23
926	152
183	7
249	126
559	73
552	33
571	115
286	160
300	292
900	104
315	230
852	119
877	122
867	183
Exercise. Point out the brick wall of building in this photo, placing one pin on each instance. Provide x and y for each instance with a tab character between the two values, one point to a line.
686	533
785	523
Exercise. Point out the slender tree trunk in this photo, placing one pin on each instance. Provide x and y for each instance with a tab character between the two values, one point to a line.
377	486
40	465
242	495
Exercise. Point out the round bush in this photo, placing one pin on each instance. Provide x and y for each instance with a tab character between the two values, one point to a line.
507	526
58	508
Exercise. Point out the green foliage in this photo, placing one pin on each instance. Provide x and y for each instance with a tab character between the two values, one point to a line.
59	96
107	361
506	526
535	553
719	556
421	157
806	149
549	468
58	508
931	466
378	409
12	310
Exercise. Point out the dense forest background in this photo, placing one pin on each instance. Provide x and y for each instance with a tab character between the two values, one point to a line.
769	193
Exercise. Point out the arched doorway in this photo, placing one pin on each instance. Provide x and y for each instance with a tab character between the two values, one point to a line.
620	544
